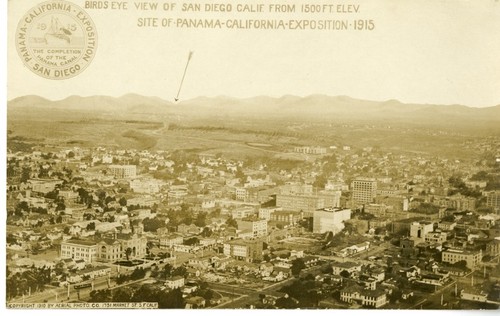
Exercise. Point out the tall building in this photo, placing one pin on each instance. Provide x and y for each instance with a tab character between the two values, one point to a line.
363	190
123	171
493	200
300	202
330	220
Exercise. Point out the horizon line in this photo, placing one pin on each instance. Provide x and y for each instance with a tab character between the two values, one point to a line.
252	97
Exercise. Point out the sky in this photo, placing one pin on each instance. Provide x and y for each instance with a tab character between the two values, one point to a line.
428	51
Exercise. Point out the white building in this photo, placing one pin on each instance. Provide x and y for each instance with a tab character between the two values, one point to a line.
330	220
79	249
420	229
256	227
265	213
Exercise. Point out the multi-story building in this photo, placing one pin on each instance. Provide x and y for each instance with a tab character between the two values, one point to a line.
370	298
436	237
351	267
378	210
175	282
243	212
120	247
363	190
256	227
170	241
493	200
458	202
446	226
286	217
330	220
310	150
241	193
44	186
397	203
331	198
296	188
137	244
244	249
147	186
79	249
123	171
300	202
421	229
109	250
265	212
472	258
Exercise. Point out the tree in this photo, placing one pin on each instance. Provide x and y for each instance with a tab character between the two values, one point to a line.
345	274
232	222
167	271
122	201
206	232
462	264
297	266
128	252
200	220
60	206
149	246
179	271
138	273
25	174
152	224
122	294
172	299
91	226
100	296
191	241
286	303
22	207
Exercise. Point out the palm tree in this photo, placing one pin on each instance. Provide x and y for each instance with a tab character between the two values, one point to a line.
128	252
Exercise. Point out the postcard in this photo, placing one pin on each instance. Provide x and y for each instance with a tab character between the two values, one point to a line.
252	154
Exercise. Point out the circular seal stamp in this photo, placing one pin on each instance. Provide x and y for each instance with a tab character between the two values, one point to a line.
56	39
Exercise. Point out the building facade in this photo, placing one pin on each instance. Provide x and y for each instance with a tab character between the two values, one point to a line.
472	258
363	190
330	220
79	249
123	171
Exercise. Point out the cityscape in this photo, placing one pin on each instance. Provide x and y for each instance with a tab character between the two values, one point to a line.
262	203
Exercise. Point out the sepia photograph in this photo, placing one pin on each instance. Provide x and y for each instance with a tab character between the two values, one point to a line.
252	154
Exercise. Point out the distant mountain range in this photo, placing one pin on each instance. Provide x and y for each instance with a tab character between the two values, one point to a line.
313	106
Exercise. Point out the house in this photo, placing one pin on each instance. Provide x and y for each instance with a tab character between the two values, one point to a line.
195	302
266	269
351	250
281	273
170	241
369	298
351	267
188	229
175	282
406	294
473	294
80	264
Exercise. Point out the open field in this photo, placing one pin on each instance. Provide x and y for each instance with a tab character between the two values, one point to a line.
237	135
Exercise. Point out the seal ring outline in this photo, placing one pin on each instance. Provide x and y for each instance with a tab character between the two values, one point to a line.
43	68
